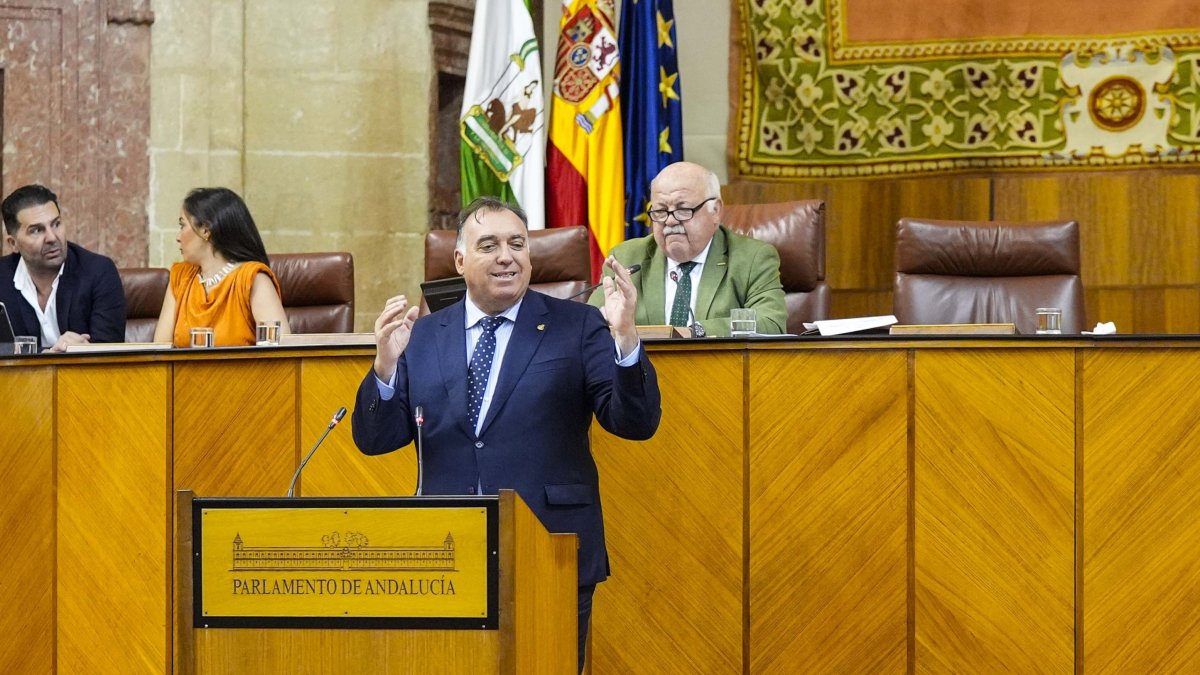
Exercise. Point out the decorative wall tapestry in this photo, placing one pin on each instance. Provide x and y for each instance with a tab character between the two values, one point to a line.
883	87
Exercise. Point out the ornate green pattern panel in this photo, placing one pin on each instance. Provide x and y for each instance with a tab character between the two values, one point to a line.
1063	104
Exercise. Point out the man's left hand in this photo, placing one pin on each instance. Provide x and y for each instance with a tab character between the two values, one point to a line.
69	338
620	305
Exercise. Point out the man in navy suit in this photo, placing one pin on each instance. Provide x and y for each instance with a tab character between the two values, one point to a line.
509	380
59	291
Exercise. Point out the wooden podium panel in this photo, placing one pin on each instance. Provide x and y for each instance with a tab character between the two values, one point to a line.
994	472
239	416
338	468
828	511
27	526
1140	527
113	543
528	581
673	514
230	651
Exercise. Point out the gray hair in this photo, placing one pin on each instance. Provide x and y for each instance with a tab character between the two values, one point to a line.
483	205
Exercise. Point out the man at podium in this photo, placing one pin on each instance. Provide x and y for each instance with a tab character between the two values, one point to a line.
508	380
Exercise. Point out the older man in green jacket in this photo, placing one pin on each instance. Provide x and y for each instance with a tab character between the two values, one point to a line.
693	269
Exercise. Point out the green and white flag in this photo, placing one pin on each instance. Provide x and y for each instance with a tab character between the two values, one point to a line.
503	126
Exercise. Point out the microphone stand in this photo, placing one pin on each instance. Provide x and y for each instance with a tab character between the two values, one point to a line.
419	417
337	417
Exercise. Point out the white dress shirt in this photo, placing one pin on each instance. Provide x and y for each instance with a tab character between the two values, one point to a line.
673	284
48	318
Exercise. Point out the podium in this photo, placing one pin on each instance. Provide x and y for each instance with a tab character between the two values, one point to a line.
372	585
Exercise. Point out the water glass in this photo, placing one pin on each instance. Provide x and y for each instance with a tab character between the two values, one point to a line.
25	344
1049	321
742	322
202	337
267	333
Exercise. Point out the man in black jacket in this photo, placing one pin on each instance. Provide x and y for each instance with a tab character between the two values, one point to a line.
59	291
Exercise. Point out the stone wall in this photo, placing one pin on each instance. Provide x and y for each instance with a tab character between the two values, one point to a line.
316	111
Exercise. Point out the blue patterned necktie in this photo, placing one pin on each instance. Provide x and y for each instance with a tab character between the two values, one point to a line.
682	305
481	367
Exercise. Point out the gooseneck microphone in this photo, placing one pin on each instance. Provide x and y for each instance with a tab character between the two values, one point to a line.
631	269
419	418
694	327
337	417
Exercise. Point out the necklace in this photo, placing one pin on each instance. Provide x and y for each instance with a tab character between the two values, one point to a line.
216	278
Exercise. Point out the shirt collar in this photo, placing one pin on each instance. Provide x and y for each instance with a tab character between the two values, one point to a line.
22	279
474	314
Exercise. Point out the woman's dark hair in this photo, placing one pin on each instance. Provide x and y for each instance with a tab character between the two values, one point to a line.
231	228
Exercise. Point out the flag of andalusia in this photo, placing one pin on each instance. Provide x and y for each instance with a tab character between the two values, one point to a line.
503	126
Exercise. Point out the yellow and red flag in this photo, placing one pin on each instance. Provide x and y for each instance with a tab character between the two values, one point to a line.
585	170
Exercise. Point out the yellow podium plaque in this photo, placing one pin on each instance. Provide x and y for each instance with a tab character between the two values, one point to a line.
424	562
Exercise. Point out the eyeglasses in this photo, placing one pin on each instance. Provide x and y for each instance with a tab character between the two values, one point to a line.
682	214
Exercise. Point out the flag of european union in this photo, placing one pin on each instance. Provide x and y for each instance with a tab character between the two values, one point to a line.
651	110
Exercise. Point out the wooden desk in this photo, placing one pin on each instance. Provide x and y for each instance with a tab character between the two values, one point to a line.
833	506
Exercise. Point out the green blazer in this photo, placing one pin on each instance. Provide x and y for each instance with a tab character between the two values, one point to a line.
739	272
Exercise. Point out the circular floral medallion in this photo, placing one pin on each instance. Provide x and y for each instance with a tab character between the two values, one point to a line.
1117	103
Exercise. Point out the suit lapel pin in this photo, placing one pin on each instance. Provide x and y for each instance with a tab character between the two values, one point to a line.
541	326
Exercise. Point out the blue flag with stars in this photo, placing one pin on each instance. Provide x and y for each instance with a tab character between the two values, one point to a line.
651	110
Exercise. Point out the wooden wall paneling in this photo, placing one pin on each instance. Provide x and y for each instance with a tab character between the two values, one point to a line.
1112	304
673	515
1136	229
339	469
113	509
861	246
861	303
993	535
1140	528
828	495
1181	309
27	520
235	427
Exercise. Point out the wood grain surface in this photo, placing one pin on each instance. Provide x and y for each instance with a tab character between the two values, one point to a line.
27	520
828	499
993	535
1141	512
113	510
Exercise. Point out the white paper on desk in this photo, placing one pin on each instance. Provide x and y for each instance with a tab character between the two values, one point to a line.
1105	328
854	325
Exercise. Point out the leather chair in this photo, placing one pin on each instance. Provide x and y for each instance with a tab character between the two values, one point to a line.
145	288
797	230
987	272
318	290
560	257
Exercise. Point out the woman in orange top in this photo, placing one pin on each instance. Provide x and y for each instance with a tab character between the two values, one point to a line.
224	282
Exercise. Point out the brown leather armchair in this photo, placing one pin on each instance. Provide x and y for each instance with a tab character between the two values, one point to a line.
559	256
318	290
145	288
987	272
797	230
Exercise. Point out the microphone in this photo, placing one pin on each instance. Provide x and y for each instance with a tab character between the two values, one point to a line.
419	418
589	289
695	327
337	417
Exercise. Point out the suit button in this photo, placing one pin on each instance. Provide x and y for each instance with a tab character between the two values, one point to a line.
471	490
478	444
